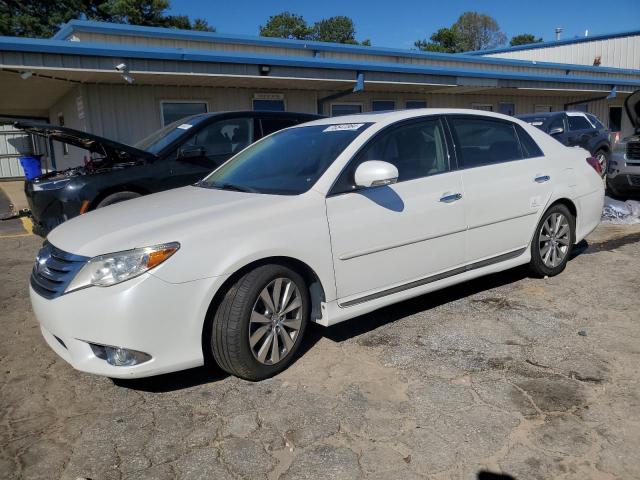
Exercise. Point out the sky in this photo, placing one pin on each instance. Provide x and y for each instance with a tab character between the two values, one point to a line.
398	23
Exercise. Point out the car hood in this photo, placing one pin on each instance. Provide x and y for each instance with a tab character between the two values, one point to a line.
113	151
632	106
182	215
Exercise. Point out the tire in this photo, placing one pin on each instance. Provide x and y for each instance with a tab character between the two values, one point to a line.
117	198
603	158
560	242
243	313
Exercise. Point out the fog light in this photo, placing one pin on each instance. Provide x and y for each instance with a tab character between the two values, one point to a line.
118	356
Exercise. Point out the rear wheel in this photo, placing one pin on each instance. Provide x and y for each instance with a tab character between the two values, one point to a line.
260	322
553	241
117	198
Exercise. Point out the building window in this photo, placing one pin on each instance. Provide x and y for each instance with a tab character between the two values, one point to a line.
415	104
382	105
507	108
268	102
615	119
172	111
487	107
581	107
338	109
542	108
261	105
65	146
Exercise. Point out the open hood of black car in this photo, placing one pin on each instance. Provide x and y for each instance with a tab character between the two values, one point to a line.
632	106
112	150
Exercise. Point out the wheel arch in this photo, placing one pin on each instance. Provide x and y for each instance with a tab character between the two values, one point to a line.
567	203
312	279
116	189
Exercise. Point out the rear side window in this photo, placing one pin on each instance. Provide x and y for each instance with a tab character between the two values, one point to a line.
578	123
530	148
482	141
595	121
557	122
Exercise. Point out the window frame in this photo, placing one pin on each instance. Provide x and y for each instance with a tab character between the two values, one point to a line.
162	102
383	131
360	104
283	100
449	117
508	103
538	108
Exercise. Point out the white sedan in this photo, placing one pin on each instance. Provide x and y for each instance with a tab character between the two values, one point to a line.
320	223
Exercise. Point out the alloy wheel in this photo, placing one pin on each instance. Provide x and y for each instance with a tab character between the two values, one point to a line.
554	239
276	319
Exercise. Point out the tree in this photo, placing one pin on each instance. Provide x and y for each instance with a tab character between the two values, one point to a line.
339	29
34	18
472	31
286	25
524	39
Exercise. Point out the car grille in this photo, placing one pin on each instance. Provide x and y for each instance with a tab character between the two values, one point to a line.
633	150
634	180
53	270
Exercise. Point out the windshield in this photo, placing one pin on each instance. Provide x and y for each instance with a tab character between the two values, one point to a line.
288	162
159	139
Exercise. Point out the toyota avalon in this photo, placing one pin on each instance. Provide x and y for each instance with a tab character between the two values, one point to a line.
320	222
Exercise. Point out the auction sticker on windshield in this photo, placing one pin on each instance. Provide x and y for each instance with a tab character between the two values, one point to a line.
185	126
343	126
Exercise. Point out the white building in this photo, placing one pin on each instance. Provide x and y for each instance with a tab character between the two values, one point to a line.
123	81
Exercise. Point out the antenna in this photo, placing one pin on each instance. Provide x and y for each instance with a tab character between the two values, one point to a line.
558	32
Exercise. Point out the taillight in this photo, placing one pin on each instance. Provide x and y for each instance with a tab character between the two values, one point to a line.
595	164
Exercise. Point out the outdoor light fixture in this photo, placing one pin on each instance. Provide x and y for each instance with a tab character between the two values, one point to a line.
124	72
26	74
264	70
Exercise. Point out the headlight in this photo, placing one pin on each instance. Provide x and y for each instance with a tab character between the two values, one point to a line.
113	268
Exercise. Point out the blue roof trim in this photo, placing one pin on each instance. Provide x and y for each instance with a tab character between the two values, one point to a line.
555	43
178	54
159	32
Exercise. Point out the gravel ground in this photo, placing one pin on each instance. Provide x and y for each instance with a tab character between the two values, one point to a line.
532	378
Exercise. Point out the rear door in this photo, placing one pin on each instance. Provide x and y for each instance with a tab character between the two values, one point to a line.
506	182
391	236
581	132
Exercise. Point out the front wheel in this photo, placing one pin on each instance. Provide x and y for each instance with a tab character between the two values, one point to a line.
260	322
552	241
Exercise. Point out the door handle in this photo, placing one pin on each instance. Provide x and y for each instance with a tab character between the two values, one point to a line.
542	178
450	197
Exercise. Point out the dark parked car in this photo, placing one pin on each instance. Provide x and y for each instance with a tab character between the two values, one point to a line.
575	129
623	174
177	155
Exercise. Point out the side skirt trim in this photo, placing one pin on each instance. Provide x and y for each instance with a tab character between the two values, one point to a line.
436	277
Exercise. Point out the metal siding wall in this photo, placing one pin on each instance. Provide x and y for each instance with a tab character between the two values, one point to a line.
622	52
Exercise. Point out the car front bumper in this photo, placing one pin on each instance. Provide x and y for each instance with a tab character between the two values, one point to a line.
623	173
146	314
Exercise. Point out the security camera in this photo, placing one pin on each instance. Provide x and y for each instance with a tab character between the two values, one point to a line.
121	67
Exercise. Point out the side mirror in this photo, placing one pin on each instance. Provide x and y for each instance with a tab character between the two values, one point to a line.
556	131
375	173
188	153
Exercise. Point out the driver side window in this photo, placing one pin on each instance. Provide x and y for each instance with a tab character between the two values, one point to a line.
223	138
417	149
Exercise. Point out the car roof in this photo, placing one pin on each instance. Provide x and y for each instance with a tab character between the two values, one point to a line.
260	113
539	115
397	115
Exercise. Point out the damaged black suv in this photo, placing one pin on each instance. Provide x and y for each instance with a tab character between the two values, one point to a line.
177	155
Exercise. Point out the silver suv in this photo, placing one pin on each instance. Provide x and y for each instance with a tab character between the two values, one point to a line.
623	173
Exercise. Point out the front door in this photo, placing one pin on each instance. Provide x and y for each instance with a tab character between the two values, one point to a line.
207	149
507	181
389	236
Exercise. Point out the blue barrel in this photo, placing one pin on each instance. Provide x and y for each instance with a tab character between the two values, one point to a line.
31	166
